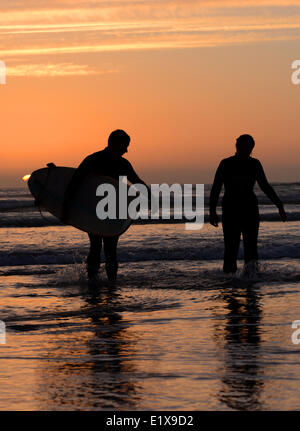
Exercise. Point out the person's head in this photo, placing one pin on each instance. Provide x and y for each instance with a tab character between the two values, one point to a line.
118	142
244	145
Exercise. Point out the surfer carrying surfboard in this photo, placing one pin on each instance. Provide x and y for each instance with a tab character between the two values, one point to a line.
240	214
108	162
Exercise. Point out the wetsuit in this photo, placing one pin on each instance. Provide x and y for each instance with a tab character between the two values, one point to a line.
102	163
240	213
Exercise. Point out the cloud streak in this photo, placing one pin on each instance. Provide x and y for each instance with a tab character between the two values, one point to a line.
54	70
70	27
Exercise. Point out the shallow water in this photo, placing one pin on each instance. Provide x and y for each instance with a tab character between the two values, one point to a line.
169	335
173	333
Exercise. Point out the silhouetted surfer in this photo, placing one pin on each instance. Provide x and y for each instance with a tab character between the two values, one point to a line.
240	214
108	162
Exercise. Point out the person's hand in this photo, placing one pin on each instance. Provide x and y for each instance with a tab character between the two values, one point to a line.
213	219
282	214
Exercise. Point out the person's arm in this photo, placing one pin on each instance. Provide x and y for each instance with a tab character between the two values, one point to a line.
269	191
214	195
133	177
77	178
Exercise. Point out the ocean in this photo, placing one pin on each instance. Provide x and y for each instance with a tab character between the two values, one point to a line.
173	333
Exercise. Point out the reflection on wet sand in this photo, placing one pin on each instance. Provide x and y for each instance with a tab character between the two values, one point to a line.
100	369
241	376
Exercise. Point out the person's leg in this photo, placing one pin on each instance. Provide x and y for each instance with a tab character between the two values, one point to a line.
93	259
250	235
110	251
232	235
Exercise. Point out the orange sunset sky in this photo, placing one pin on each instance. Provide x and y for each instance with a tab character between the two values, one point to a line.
183	78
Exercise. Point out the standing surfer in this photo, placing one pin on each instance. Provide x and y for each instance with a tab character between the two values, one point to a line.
240	213
108	162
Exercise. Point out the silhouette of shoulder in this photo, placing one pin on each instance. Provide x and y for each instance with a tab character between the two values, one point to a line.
105	163
246	166
238	160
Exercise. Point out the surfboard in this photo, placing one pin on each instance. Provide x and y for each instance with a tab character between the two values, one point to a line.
48	185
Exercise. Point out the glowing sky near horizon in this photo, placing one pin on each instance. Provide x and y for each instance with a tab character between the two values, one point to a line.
184	78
